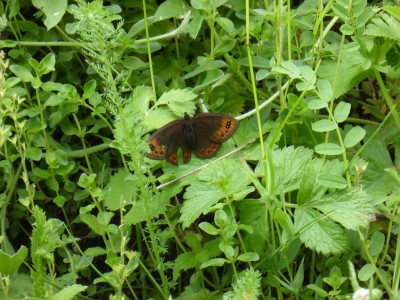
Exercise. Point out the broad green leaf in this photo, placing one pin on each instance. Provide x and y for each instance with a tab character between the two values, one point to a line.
328	149
319	233
70	292
9	264
317	104
351	207
342	111
226	24
325	90
22	73
53	10
324	125
218	181
366	272
249	256
209	228
354	136
332	181
183	262
119	191
218	262
377	243
34	153
170	9
393	10
224	46
208	77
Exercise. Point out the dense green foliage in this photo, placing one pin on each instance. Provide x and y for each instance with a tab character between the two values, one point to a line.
307	209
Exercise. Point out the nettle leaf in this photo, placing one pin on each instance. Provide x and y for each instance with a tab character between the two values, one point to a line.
119	191
287	164
352	207
319	233
384	25
178	100
220	180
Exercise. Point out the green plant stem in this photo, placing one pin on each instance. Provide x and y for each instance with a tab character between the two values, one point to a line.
255	98
373	264
386	95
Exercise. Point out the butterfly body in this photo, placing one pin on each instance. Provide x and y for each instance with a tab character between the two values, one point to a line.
202	134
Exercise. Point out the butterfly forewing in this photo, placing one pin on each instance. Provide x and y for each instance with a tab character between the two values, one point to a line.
165	142
211	131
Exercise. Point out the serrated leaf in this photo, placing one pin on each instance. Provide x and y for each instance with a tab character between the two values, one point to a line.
328	149
119	191
183	262
354	136
220	180
350	207
69	292
319	233
179	101
332	181
323	125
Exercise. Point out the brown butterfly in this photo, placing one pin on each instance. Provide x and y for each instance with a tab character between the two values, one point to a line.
203	133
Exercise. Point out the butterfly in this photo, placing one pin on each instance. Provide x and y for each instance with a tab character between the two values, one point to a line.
202	134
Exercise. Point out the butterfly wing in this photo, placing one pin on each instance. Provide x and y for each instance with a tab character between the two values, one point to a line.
165	142
211	131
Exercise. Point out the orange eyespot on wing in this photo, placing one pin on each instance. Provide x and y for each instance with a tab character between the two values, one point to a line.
157	151
208	151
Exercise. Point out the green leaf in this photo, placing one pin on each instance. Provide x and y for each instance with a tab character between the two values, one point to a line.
342	111
183	262
34	153
384	25
325	90
354	136
9	264
393	10
70	292
366	272
218	181
209	228
53	10
328	149
22	73
324	125
226	24
119	191
249	256
208	77
170	9
350	207
224	47
319	233
317	104
377	243
332	181
178	101
217	262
